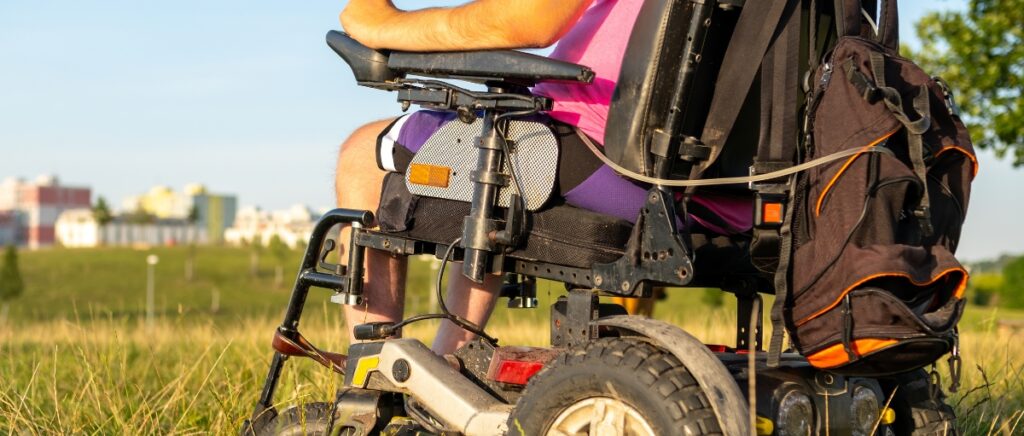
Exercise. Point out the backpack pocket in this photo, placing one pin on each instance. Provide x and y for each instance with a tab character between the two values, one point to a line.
881	334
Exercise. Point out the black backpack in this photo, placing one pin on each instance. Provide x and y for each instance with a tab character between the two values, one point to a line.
874	286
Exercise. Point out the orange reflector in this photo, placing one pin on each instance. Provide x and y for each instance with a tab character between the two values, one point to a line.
429	175
715	348
771	213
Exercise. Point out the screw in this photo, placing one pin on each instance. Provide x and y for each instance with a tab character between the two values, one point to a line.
598	280
401	371
625	285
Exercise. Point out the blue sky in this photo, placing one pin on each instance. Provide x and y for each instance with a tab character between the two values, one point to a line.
243	96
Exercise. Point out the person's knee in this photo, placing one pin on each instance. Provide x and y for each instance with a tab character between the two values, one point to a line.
357	180
362	143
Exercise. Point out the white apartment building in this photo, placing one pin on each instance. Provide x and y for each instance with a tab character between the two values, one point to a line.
293	226
78	228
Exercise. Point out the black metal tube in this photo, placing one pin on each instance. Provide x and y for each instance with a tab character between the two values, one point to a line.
270	385
312	256
479	223
699	24
308	276
322	280
356	254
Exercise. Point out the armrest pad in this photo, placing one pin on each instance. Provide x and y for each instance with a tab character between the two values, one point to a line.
497	64
369	65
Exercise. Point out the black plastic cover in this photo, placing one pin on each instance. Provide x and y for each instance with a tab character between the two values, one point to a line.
368	65
652	61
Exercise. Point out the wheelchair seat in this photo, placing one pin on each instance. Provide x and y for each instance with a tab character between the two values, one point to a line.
558	234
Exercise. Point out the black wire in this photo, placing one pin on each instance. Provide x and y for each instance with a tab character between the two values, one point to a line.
446	314
511	168
418	318
459	321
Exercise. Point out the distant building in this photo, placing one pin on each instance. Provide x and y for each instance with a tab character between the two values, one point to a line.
78	228
214	213
252	225
36	205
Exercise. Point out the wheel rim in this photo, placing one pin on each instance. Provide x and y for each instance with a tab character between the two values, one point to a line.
600	416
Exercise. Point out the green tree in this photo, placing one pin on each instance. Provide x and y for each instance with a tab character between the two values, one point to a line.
980	52
1012	291
11	284
713	297
101	212
279	251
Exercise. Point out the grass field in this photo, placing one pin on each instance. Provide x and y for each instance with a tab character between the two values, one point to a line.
77	358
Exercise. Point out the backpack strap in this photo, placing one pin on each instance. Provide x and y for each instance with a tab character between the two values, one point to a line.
778	138
848	21
755	30
878	90
889	33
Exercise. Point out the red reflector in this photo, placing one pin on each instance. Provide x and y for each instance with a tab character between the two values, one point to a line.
516	372
717	348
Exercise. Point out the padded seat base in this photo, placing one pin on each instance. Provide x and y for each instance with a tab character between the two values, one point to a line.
559	234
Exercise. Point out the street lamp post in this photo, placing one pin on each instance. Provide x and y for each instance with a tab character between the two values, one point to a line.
151	262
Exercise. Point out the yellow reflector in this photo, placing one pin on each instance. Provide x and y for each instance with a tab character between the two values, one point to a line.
429	175
888	416
363	368
764	426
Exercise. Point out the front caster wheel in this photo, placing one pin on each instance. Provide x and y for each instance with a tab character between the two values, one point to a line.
614	386
312	419
918	413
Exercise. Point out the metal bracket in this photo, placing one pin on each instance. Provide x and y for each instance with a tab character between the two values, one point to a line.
522	294
656	253
745	305
572	318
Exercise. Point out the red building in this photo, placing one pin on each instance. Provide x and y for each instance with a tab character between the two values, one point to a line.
36	205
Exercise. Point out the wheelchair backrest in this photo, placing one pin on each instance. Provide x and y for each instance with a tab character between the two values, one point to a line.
651	67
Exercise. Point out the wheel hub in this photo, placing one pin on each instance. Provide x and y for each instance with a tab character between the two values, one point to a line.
600	416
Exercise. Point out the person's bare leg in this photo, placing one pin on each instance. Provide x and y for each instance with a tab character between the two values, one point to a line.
358	185
472	301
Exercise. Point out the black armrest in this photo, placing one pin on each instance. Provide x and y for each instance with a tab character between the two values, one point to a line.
496	65
367	64
370	65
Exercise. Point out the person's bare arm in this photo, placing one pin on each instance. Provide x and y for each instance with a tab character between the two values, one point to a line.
479	25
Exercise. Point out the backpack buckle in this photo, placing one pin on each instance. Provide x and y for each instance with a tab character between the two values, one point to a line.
770	196
924	218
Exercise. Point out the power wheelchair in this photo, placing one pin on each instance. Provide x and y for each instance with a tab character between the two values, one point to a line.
605	372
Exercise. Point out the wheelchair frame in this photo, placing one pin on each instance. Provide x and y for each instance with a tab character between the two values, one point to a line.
662	255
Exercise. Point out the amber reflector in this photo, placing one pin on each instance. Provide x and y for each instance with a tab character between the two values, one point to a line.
429	175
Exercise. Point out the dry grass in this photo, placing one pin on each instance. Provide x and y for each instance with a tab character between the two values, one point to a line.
105	376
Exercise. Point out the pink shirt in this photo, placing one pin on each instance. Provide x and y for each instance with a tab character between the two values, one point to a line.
597	41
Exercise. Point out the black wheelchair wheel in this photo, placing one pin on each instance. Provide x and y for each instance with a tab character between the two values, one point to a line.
618	386
313	419
918	413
